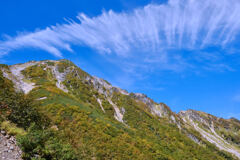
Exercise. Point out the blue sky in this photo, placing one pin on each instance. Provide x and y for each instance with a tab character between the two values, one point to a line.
181	52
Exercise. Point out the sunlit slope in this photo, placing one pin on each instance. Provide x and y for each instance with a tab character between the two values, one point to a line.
100	121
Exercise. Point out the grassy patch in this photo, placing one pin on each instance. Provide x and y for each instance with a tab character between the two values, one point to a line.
12	129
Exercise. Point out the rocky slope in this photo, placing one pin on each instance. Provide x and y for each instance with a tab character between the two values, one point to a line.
215	130
23	83
8	147
42	80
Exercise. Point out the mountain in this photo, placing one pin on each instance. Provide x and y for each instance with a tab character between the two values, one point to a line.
58	111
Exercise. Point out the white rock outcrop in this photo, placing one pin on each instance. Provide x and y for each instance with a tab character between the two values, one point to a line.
100	103
16	76
8	147
118	114
191	118
60	77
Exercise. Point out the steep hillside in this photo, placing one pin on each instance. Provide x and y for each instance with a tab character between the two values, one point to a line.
68	114
225	134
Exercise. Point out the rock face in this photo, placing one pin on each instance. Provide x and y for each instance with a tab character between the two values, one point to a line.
100	103
60	77
118	113
208	126
160	110
8	147
104	87
17	77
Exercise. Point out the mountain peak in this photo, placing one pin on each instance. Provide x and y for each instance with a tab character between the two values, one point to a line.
61	82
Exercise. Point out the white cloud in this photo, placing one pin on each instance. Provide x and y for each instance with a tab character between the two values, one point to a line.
187	24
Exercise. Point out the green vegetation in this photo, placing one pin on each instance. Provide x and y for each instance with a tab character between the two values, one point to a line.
12	129
44	144
229	129
71	126
19	116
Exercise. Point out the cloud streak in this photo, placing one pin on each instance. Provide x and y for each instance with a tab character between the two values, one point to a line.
177	24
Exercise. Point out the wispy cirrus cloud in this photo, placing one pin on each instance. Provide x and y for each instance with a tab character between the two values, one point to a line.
155	28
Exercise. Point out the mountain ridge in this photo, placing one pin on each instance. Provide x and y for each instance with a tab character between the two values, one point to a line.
105	81
44	80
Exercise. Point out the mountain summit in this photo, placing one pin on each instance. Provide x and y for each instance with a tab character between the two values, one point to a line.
85	117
